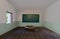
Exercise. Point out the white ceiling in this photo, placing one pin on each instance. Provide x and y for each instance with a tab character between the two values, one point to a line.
31	4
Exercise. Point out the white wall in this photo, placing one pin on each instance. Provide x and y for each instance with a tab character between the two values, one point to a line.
52	17
29	12
6	6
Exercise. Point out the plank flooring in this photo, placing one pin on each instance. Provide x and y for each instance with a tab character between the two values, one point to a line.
22	33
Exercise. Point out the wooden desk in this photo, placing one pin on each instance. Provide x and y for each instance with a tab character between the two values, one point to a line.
30	28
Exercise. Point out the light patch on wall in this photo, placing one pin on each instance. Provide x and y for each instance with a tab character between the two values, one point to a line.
8	18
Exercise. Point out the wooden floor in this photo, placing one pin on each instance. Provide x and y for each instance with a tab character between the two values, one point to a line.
22	33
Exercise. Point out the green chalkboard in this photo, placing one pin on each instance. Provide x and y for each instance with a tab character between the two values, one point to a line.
31	18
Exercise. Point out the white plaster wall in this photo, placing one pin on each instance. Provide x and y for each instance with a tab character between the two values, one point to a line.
6	6
29	12
52	17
